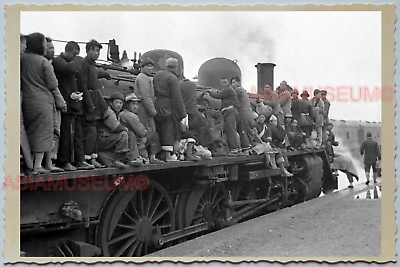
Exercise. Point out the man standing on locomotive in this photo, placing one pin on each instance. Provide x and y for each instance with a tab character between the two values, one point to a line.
230	113
169	107
370	149
327	105
246	117
319	115
307	116
94	104
71	133
145	92
140	139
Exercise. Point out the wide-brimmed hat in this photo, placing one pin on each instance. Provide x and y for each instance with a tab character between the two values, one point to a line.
324	92
369	134
132	97
305	93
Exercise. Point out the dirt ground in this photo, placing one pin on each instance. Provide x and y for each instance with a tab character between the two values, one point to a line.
336	225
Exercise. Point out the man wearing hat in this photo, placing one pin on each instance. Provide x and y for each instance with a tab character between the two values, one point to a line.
113	136
327	106
307	115
143	142
145	92
284	97
169	107
370	149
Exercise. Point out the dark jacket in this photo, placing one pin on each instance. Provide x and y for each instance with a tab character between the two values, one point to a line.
88	83
370	149
189	90
228	97
277	134
66	75
168	95
264	132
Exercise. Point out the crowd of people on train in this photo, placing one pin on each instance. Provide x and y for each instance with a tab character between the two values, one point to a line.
66	123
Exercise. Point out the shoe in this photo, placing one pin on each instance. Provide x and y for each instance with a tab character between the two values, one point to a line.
350	186
375	181
173	158
69	167
95	163
83	165
119	164
287	174
55	169
135	163
156	161
192	158
367	182
41	170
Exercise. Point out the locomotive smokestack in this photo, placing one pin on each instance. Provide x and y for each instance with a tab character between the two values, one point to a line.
265	74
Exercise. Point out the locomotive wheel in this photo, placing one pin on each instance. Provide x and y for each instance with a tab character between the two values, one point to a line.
132	220
201	204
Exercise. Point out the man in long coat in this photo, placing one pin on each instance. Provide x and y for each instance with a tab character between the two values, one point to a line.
319	115
370	149
145	92
327	106
94	104
71	132
169	107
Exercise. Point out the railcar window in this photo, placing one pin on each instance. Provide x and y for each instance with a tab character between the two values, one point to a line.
377	134
348	135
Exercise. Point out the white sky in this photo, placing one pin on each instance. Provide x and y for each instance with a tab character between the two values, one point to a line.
310	49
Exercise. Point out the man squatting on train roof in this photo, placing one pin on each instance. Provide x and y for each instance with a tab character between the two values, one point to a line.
158	122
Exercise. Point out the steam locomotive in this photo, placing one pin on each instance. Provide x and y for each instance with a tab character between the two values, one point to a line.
136	211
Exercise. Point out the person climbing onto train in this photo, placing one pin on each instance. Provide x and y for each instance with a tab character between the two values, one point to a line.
94	104
145	91
229	103
307	116
169	107
197	121
319	115
38	81
370	149
327	106
71	147
274	156
339	161
246	117
269	97
113	143
141	139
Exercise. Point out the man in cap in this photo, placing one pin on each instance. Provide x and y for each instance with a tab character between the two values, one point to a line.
230	114
142	142
113	136
327	106
284	92
319	115
370	149
169	107
71	133
145	92
270	98
307	116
